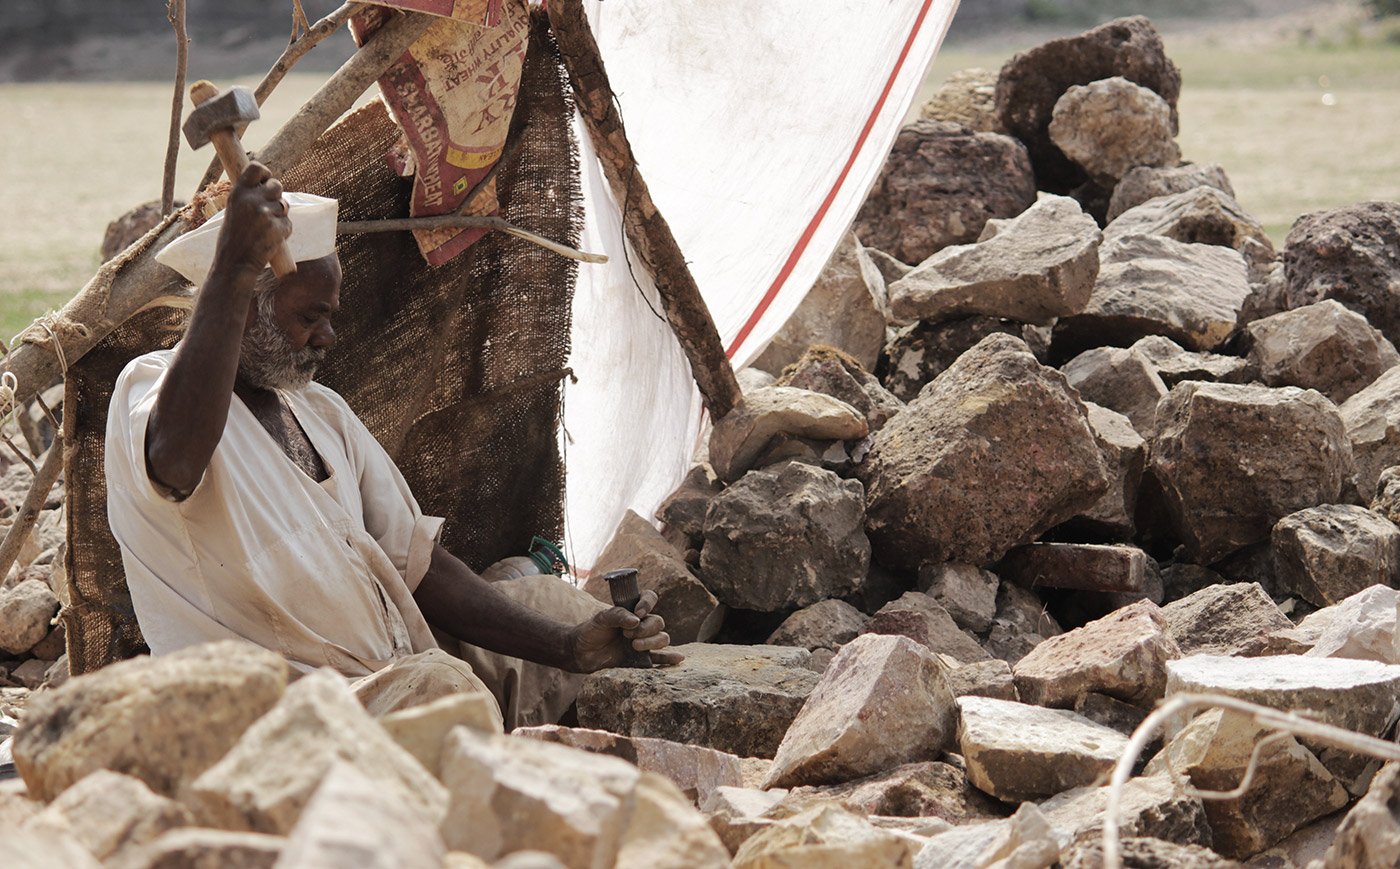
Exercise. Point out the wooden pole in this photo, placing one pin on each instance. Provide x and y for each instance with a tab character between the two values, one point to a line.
646	229
127	284
34	501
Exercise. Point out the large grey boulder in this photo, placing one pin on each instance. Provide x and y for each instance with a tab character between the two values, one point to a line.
1018	752
845	308
1225	619
1038	266
1327	554
25	612
692	614
785	537
1202	215
883	701
1351	254
1120	379
994	452
760	690
1153	285
1123	655
162	720
1149	182
265	781
1112	126
1032	82
940	185
1323	346
1233	460
1372	418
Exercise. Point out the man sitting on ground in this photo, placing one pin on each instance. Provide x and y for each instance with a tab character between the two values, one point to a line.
250	502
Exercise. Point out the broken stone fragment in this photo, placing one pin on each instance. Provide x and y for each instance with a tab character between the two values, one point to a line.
785	537
1119	379
760	688
1038	266
1348	254
1175	363
1021	623
1290	787
696	770
352	820
967	97
1124	455
1369	838
831	372
917	354
825	837
844	309
766	414
1149	182
1363	627
36	849
1233	460
939	186
737	813
25	613
1387	499
922	619
1202	215
1324	347
1154	285
1111	126
1123	655
420	730
968	593
692	614
203	848
1110	712
883	701
1017	752
665	832
982	679
826	624
993	453
162	720
1145	851
1225	619
510	794
1327	554
111	814
1032	82
683	511
265	781
1082	566
1372	418
913	790
1151	805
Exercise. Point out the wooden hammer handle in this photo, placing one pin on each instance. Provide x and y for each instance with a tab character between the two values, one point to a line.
235	160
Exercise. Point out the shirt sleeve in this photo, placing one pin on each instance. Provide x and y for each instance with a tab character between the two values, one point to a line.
391	513
133	398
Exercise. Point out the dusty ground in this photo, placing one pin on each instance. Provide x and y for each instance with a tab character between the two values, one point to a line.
1302	109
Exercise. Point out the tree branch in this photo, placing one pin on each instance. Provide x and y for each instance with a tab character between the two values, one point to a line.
175	13
355	227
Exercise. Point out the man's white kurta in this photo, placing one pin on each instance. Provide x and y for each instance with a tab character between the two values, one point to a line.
322	573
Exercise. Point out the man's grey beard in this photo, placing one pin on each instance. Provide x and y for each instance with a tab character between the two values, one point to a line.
269	361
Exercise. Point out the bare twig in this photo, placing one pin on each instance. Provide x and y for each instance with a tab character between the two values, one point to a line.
175	13
355	227
1288	722
300	24
294	52
34	502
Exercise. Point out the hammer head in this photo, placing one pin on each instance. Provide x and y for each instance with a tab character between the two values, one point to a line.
231	109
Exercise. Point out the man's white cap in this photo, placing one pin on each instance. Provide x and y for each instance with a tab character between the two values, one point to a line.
313	236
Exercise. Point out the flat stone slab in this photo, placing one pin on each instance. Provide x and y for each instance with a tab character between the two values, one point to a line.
1016	752
1082	566
739	699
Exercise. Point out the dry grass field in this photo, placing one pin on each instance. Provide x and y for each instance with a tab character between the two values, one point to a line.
1298	125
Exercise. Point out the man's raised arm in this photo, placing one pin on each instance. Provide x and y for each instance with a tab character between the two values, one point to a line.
190	412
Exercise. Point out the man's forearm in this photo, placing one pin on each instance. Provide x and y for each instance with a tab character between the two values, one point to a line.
190	412
455	599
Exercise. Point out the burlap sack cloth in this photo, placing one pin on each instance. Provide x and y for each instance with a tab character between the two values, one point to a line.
455	369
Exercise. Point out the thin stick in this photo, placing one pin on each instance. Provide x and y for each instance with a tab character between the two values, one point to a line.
33	505
295	51
356	227
175	14
1289	722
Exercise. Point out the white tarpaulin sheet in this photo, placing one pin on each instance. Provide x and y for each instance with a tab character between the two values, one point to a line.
759	128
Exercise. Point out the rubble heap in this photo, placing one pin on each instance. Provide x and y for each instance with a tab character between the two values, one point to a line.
1102	445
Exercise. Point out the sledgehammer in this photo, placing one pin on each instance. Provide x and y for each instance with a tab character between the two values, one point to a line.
622	585
216	118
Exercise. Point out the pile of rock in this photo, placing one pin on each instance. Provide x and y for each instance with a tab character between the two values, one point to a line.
1057	435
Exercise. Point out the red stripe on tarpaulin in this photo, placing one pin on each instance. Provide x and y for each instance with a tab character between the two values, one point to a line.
817	219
